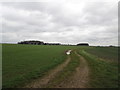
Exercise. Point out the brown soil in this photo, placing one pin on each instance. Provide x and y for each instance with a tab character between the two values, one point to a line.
80	78
40	83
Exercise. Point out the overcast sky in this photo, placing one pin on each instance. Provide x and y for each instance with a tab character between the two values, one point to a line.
64	22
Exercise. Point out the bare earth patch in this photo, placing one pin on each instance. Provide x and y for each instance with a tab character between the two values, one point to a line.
42	82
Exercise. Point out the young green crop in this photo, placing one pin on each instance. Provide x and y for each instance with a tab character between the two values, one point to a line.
22	63
103	74
108	53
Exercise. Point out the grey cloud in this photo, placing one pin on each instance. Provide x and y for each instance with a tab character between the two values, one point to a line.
102	13
95	23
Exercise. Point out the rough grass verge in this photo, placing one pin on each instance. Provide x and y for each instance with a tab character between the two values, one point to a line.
103	74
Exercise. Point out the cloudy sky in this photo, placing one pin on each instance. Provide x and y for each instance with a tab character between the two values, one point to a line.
64	22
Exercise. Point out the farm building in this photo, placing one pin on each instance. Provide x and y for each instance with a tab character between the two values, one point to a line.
83	44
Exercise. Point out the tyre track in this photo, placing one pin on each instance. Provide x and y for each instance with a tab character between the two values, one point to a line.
80	78
42	82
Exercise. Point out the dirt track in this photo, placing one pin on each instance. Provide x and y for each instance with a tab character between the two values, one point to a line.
40	83
80	78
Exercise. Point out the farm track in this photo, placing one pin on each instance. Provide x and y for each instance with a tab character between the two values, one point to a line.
41	82
80	78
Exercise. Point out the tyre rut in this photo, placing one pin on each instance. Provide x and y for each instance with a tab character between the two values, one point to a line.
40	83
80	78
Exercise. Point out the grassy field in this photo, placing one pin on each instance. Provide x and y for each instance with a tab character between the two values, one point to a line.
23	63
108	53
104	74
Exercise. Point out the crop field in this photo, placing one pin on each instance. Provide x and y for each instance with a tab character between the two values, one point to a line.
109	53
104	66
22	64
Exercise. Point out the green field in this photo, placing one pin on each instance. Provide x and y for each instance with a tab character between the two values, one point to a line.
23	63
108	53
103	62
103	73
